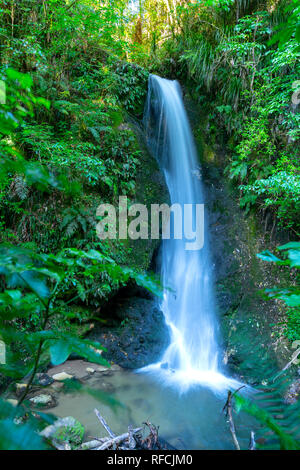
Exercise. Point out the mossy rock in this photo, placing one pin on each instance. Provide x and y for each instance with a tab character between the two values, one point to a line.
66	429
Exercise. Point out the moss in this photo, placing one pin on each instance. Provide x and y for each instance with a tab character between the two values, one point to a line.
72	433
150	189
116	117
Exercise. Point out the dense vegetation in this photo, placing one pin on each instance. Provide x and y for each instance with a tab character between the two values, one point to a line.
72	73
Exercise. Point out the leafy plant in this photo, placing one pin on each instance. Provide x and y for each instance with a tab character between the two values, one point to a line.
286	441
289	295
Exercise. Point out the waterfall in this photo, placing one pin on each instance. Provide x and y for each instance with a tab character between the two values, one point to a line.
188	302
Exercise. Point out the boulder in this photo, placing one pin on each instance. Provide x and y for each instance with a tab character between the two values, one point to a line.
140	335
62	376
43	400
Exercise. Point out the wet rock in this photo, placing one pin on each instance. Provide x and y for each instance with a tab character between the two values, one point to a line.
107	373
62	376
43	379
115	367
12	401
20	388
140	336
245	317
102	369
57	386
293	393
77	368
43	400
108	387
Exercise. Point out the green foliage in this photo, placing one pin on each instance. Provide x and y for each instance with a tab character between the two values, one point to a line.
69	88
289	28
35	279
289	295
17	431
229	51
268	401
131	86
264	417
50	147
280	192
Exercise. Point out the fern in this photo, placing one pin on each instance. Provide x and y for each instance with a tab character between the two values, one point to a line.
278	423
76	219
19	189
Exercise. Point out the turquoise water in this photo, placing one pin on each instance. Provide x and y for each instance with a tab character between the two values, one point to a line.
191	420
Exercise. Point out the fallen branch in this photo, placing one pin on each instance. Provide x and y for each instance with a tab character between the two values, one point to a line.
104	423
93	444
117	440
252	445
228	408
151	441
131	440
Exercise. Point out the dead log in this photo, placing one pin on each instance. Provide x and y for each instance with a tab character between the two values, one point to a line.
133	439
94	443
117	440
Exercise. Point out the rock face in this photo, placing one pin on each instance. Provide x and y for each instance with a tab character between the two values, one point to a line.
150	188
140	335
293	393
235	237
245	317
136	334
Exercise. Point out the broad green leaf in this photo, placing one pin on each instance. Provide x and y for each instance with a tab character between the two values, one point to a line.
286	441
294	256
292	300
268	256
292	245
19	436
59	351
24	79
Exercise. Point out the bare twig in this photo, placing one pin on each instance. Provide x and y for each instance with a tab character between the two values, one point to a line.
104	424
294	356
131	440
252	445
151	441
228	408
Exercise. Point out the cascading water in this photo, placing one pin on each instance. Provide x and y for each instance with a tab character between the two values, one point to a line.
188	304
